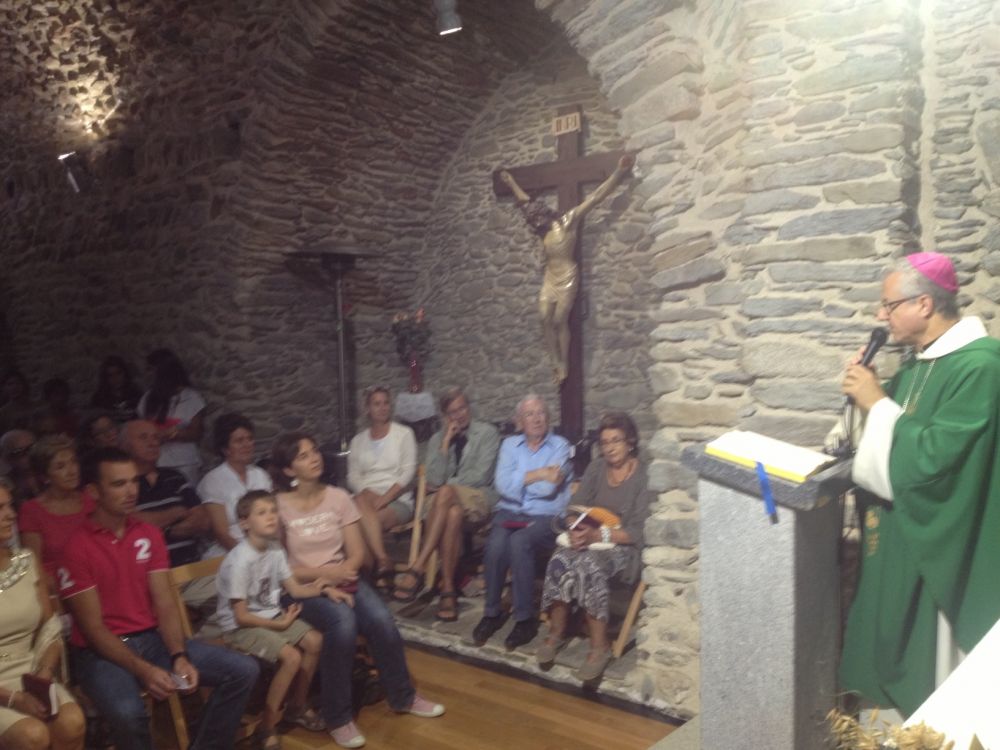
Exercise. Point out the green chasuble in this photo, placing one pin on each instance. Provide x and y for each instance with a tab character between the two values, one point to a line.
938	547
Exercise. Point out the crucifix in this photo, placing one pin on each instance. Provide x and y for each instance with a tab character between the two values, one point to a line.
559	304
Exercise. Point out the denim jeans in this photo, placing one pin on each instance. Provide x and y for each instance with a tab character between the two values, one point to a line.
117	693
340	625
515	550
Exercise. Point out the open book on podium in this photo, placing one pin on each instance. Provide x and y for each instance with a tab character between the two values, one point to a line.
780	459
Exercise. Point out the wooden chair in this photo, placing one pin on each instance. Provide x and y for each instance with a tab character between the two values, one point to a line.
629	622
416	527
180	576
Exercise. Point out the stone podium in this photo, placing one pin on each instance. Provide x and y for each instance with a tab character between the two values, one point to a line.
770	606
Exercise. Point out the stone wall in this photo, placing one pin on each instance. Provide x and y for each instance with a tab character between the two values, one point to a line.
786	150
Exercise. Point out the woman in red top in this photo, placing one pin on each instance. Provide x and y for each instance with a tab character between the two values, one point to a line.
47	522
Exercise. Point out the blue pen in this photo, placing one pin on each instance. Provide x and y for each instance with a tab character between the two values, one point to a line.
765	491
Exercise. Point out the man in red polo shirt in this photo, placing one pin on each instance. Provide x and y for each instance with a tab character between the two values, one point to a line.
126	628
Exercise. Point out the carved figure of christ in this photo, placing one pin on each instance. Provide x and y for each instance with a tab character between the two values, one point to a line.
559	232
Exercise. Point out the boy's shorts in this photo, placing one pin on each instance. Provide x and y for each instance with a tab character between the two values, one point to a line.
264	643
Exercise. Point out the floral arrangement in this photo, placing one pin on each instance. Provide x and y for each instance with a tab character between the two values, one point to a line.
850	735
413	336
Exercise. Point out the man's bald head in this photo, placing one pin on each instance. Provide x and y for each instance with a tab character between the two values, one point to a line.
140	439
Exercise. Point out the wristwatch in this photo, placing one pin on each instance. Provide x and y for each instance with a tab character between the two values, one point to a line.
177	655
605	534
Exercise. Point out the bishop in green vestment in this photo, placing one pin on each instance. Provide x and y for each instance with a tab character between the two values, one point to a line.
930	449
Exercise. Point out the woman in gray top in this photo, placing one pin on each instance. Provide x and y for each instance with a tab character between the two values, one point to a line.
582	570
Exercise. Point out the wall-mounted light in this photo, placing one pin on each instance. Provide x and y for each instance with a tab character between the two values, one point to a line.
76	171
448	21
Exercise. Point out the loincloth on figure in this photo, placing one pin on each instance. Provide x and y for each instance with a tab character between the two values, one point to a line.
559	288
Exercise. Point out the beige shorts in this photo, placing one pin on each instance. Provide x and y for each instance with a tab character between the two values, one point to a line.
473	500
264	643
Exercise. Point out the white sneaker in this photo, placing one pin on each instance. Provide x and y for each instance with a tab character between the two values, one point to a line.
348	735
424	708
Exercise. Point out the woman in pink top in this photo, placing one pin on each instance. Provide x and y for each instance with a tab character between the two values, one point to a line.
47	522
320	526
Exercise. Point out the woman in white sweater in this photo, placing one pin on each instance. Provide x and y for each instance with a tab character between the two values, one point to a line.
380	470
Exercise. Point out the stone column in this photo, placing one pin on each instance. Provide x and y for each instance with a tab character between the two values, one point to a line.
770	607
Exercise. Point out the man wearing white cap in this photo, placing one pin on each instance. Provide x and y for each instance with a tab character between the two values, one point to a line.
931	450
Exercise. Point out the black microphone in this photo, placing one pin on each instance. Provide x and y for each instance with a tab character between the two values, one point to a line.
875	341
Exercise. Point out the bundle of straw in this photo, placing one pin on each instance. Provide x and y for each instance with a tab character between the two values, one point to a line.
850	735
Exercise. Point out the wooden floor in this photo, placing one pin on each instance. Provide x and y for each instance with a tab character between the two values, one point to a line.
487	710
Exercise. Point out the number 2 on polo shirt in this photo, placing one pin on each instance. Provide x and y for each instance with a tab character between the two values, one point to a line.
65	581
142	553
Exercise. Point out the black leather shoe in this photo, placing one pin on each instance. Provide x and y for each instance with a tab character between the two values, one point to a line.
486	628
524	632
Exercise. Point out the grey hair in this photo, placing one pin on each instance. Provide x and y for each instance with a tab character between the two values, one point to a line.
9	436
914	284
529	398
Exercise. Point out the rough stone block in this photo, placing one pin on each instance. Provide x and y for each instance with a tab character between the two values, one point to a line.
664	352
655	69
991	263
843	221
725	293
791	394
816	112
777	200
670	101
690	274
880	191
774	359
663	378
827	249
697	391
988	137
663	446
815	172
854	72
778	307
676	413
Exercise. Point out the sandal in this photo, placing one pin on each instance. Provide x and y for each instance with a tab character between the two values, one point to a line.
268	739
306	718
446	613
405	594
385	578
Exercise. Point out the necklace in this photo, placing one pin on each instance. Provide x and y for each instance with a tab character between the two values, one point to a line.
20	561
617	476
907	408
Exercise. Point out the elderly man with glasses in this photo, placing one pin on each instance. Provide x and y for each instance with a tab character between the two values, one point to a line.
532	477
930	452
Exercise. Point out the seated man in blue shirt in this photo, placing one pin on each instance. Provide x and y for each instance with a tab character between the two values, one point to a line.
532	479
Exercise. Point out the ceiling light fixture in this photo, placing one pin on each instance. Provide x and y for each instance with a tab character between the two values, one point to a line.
448	21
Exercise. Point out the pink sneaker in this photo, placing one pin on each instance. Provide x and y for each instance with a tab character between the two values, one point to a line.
348	735
424	708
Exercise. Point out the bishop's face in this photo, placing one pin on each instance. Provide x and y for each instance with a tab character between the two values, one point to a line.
906	315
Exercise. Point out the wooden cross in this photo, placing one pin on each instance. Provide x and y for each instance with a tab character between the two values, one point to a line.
568	174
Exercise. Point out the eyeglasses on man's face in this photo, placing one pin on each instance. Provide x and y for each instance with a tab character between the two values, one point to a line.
890	305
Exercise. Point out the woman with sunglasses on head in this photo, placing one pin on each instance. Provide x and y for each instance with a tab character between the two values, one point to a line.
590	555
321	532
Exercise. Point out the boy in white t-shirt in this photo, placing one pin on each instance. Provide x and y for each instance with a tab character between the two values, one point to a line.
249	612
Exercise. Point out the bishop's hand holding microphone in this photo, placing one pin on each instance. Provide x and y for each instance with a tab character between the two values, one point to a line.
861	385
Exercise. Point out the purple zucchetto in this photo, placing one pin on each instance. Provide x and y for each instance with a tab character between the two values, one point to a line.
936	267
